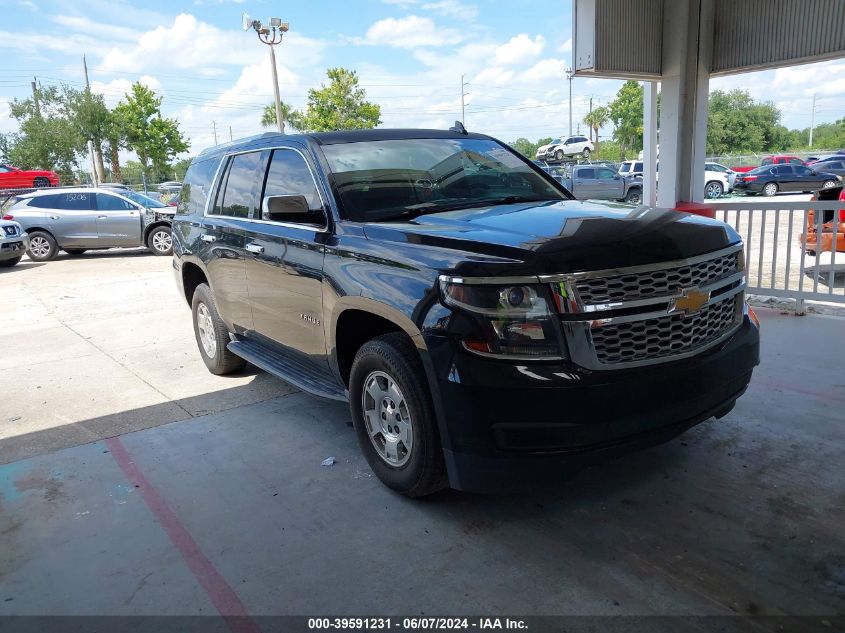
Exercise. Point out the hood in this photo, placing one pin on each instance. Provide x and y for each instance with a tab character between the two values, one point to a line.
558	237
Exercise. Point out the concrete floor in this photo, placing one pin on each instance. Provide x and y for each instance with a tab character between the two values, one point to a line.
228	510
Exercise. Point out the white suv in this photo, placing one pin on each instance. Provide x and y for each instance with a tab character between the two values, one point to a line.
716	182
565	146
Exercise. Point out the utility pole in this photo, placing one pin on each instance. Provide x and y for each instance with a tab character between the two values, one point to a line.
464	84
35	98
569	74
97	155
590	125
270	35
230	133
812	119
214	129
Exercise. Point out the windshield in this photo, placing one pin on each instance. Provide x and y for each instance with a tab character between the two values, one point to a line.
381	180
143	200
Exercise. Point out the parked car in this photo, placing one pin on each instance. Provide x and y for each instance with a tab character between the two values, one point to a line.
461	301
14	178
79	219
781	159
831	163
13	243
564	147
730	173
716	182
832	225
772	179
602	183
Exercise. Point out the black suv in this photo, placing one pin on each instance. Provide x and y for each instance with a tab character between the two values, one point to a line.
487	329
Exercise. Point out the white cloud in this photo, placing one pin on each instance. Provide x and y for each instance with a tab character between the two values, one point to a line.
409	32
452	9
544	70
566	47
115	90
519	49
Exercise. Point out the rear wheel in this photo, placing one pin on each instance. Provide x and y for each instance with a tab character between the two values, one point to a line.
559	155
40	181
771	189
828	184
713	189
212	334
586	153
76	251
42	246
394	417
160	241
8	263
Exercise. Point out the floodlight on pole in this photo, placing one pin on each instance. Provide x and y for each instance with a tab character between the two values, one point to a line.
271	34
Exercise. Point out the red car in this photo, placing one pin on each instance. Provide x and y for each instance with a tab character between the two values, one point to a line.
13	178
777	159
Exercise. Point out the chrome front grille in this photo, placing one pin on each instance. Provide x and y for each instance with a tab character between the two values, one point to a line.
665	336
650	314
653	283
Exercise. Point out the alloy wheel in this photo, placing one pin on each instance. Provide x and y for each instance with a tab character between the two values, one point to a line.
388	419
206	329
713	190
828	184
162	241
771	189
39	247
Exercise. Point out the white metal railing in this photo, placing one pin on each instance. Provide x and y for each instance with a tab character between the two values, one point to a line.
791	247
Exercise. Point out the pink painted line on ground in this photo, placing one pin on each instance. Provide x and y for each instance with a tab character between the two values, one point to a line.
821	395
222	595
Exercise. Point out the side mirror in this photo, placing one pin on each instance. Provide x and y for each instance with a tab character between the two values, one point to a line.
285	207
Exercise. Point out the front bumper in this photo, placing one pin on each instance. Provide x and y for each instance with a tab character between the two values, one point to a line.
508	426
13	247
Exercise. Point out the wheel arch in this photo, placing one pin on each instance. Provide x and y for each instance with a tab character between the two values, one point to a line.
192	276
154	226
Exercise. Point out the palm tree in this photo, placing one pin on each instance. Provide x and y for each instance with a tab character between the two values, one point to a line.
596	120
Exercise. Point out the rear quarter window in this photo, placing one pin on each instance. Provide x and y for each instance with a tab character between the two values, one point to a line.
197	187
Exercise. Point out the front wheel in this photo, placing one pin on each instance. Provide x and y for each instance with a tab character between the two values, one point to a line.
559	155
586	153
160	241
635	196
212	334
42	246
828	184
713	189
394	417
771	189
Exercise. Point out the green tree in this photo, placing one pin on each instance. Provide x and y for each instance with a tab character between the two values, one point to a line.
268	117
45	139
155	139
89	117
340	105
525	147
626	112
597	119
737	123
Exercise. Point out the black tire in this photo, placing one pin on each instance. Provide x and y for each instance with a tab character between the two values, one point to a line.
394	354
160	241
634	196
222	361
75	251
713	189
41	181
8	263
769	186
45	246
586	153
559	155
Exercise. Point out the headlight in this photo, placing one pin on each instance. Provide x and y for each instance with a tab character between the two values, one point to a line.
514	321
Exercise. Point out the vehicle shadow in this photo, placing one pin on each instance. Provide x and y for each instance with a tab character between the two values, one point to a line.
25	263
105	254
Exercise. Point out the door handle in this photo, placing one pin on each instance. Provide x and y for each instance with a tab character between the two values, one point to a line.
255	248
102	217
54	217
205	237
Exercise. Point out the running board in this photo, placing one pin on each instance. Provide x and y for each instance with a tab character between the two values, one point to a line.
298	371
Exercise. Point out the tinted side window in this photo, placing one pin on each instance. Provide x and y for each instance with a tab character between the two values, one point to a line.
289	175
801	170
197	186
581	139
236	197
833	165
766	161
75	201
783	170
605	174
586	172
638	167
108	202
45	202
796	161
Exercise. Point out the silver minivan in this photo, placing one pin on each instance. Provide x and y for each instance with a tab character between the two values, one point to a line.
79	219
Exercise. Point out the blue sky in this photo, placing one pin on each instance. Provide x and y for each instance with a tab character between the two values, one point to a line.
410	55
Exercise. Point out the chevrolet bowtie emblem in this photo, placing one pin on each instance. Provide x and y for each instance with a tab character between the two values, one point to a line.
690	300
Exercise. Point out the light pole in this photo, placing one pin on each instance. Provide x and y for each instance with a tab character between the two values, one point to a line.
270	35
569	74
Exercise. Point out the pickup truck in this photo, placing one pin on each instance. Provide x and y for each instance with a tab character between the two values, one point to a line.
595	182
488	331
